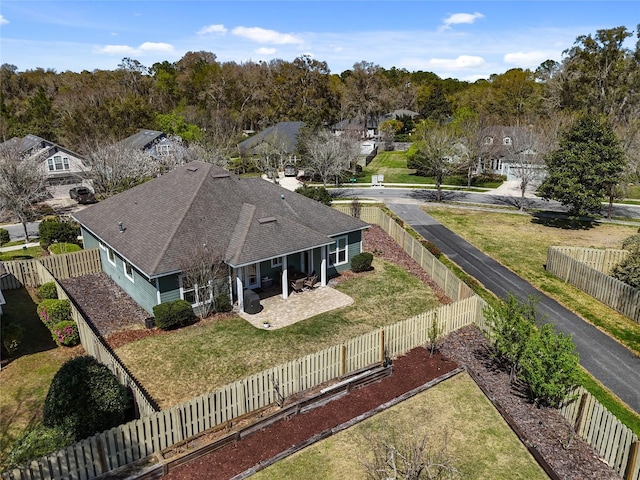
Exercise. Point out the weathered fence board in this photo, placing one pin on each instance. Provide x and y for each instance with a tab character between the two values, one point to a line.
567	263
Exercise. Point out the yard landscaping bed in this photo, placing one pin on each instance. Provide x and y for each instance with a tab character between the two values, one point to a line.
545	429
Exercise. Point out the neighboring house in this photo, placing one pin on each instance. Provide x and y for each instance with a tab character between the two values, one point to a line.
505	150
281	137
62	166
398	114
155	143
147	234
368	128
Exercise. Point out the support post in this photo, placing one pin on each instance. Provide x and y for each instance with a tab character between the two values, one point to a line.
632	461
343	360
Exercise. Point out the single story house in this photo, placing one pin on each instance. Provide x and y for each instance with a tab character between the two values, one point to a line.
261	232
282	137
61	165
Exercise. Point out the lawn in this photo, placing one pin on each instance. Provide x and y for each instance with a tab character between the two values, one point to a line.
25	381
22	254
480	443
180	365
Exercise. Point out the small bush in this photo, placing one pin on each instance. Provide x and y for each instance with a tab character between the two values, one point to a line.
52	230
173	314
34	443
319	194
628	271
631	243
222	304
53	311
361	262
4	236
64	247
65	333
85	398
47	291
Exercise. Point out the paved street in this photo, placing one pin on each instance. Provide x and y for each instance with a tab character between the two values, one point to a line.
608	361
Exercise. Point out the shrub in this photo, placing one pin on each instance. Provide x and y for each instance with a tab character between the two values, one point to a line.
47	291
85	398
34	443
550	367
64	247
631	243
52	230
628	271
361	262
319	194
432	247
4	236
65	333
222	303
52	311
173	314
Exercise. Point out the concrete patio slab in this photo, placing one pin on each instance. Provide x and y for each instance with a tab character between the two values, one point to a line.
278	312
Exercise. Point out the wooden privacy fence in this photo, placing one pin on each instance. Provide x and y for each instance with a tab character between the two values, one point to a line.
566	263
94	345
24	273
454	288
613	441
132	441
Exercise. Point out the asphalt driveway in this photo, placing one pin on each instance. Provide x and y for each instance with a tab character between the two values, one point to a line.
608	361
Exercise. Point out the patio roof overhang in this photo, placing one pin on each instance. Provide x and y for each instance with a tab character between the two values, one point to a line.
284	254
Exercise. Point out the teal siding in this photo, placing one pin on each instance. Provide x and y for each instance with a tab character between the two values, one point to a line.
354	245
88	240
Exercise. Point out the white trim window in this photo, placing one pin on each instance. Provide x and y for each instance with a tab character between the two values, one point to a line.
193	294
506	141
338	251
276	262
111	256
128	270
57	163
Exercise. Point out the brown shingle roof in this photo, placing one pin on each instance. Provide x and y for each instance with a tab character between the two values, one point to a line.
243	219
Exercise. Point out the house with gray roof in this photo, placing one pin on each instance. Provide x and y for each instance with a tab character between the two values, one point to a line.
259	231
282	136
507	150
152	142
61	165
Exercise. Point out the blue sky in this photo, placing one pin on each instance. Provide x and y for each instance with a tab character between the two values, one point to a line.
464	40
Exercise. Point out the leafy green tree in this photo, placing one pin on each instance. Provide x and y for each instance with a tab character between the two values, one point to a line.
85	398
512	324
628	271
585	167
319	194
550	367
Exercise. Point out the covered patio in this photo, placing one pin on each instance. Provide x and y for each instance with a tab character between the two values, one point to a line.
278	312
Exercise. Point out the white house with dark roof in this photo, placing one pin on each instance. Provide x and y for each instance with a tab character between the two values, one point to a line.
258	229
505	150
152	142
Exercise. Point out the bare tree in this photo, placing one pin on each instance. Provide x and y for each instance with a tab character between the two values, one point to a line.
328	156
271	155
23	183
408	456
117	167
205	277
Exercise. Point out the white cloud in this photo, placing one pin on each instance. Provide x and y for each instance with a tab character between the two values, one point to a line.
146	47
462	62
262	35
527	59
3	21
265	51
221	29
458	18
155	47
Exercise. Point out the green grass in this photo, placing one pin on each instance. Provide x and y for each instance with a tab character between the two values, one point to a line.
521	244
22	254
182	364
13	243
480	444
61	248
25	380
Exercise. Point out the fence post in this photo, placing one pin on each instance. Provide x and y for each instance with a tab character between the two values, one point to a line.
579	418
633	459
381	346
343	360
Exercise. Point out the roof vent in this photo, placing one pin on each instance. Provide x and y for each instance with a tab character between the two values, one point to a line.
120	227
192	169
220	175
264	220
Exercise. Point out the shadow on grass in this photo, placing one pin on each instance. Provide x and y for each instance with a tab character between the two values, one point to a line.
565	222
21	311
432	195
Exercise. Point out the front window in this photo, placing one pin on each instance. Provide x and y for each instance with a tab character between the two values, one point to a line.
51	165
506	141
193	293
163	150
338	251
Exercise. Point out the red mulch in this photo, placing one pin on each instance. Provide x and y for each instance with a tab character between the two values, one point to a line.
409	372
